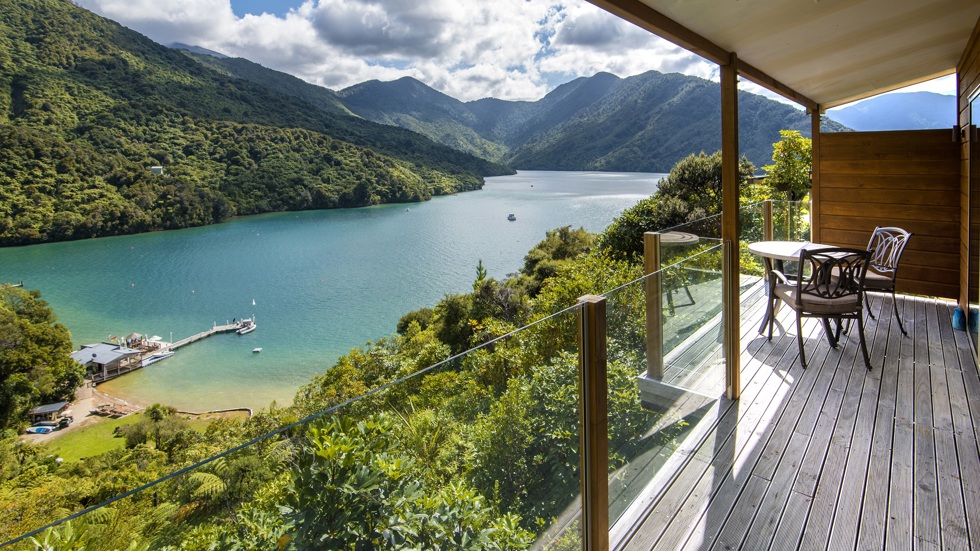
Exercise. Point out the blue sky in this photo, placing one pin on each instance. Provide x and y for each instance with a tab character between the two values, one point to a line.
468	49
241	8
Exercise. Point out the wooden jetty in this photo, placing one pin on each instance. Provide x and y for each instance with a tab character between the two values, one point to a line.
204	334
153	347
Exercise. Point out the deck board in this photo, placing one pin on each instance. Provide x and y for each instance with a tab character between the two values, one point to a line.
925	499
834	456
874	513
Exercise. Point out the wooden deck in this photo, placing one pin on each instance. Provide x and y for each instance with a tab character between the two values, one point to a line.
831	457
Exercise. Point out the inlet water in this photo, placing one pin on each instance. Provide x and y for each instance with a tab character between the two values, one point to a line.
322	282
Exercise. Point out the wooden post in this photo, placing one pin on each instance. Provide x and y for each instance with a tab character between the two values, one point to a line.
593	423
767	220
654	304
729	223
815	175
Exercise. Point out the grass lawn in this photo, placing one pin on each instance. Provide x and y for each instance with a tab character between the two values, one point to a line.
98	437
90	440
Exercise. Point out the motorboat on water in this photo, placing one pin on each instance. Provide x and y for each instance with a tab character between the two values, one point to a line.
256	350
245	326
156	357
512	217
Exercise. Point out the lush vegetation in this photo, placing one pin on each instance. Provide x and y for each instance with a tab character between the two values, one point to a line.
791	161
35	366
402	444
454	459
691	195
87	106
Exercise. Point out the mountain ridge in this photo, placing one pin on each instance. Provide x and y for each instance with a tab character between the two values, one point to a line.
645	122
899	111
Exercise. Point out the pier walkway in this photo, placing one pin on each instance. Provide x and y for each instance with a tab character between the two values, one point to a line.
203	335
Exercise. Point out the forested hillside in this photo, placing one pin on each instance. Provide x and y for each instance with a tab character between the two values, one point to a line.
644	123
87	106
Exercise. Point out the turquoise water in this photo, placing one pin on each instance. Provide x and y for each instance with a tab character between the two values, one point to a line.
322	282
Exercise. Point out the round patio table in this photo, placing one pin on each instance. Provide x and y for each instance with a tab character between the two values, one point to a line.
773	254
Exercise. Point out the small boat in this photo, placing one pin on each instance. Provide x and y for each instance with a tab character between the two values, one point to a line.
256	350
512	217
154	358
246	326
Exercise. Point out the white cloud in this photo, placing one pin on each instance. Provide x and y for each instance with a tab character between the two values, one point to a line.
468	49
168	21
373	28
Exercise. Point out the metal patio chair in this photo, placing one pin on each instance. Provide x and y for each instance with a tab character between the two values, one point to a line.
886	246
832	291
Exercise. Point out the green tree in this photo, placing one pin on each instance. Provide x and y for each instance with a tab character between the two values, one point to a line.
690	194
791	164
558	247
35	362
452	321
790	171
160	423
422	316
352	489
481	274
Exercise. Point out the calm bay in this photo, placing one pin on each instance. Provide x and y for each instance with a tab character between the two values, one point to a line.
322	282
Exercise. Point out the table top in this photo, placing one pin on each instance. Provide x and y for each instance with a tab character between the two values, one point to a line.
782	250
678	238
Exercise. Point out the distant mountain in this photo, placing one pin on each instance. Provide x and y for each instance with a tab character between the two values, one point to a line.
408	103
87	106
646	122
899	111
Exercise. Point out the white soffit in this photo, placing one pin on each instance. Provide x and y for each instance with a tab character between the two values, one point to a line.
834	51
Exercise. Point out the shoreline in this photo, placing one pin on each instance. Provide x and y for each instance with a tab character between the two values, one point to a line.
137	406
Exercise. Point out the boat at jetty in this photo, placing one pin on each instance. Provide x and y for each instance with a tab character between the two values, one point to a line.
247	325
156	357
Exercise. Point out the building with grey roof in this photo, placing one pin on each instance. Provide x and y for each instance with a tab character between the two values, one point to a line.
103	361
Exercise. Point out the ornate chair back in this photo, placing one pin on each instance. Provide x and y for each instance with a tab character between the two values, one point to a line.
835	283
886	246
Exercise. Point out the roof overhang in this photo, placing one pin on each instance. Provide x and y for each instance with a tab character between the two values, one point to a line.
816	52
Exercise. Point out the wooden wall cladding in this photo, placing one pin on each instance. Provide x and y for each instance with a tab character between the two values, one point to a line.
909	179
968	85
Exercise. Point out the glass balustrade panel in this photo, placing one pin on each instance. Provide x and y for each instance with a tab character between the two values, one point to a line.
665	373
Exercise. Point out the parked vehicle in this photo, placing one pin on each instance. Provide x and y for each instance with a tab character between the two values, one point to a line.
40	430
